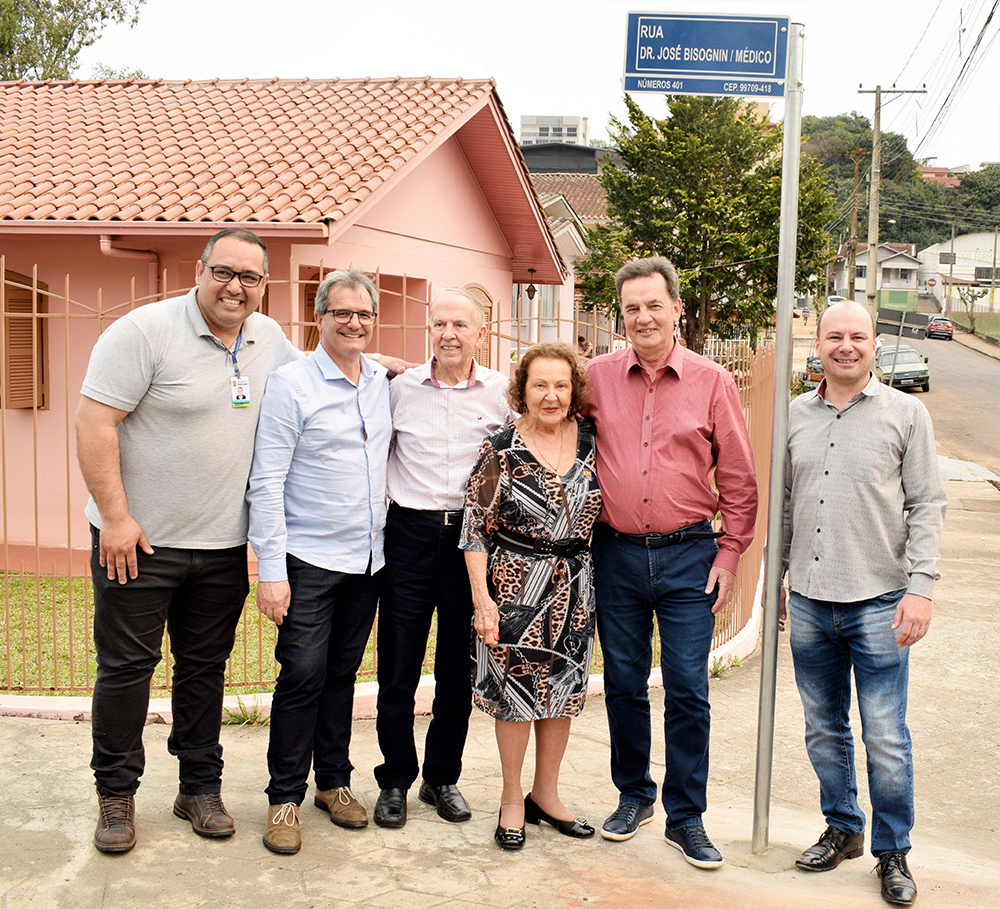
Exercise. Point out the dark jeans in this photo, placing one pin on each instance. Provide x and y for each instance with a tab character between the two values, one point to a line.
199	594
634	585
425	570
321	643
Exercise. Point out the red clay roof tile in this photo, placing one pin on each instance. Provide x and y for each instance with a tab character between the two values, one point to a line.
287	151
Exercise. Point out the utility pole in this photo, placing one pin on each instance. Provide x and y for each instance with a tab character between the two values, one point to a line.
951	271
993	274
852	245
871	273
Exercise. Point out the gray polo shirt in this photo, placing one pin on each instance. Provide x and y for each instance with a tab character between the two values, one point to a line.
185	450
864	502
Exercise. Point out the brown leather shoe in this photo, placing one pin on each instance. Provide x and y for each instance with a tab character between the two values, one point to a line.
116	823
282	834
345	810
207	814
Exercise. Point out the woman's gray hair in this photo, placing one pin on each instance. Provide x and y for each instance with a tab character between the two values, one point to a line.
351	277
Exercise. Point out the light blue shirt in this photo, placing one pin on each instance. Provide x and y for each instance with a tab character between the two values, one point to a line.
317	484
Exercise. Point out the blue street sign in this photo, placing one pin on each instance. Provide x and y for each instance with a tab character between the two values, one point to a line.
689	54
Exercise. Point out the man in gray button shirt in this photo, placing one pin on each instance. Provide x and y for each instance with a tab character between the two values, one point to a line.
864	508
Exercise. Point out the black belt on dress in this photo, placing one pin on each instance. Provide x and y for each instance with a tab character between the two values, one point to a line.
519	542
448	518
656	540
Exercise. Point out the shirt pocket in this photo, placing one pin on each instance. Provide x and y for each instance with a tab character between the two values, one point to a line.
867	460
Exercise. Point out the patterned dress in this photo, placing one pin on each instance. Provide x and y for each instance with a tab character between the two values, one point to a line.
540	667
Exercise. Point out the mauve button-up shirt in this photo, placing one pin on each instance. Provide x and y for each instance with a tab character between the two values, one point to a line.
661	443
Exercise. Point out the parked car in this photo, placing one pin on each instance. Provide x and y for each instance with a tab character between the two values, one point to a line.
911	370
940	327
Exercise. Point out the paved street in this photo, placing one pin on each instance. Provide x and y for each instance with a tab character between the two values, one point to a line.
47	858
49	809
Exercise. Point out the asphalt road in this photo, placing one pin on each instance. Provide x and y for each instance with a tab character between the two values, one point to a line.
964	401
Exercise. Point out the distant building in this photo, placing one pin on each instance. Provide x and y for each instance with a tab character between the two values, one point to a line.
946	176
538	130
895	283
968	260
562	158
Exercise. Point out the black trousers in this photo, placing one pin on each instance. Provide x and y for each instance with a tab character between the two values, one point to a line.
425	571
199	595
321	643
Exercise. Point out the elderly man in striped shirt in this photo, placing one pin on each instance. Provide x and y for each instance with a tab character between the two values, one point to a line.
441	412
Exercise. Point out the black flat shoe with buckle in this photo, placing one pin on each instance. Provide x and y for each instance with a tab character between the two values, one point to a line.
578	827
508	837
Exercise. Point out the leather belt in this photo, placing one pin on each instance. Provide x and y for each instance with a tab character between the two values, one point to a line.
447	518
657	540
525	545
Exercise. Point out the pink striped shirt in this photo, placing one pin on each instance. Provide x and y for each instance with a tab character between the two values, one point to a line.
659	443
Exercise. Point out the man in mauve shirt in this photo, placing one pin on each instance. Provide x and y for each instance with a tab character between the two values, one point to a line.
672	451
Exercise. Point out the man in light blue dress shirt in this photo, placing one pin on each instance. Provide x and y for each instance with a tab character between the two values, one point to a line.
317	499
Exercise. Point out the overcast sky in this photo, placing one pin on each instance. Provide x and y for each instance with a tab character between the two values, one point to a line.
566	56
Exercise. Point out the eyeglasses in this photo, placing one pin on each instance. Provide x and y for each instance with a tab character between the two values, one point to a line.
225	275
344	316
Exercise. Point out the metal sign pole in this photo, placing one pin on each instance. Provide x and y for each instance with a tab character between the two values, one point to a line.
779	433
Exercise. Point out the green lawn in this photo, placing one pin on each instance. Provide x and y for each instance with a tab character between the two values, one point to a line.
47	645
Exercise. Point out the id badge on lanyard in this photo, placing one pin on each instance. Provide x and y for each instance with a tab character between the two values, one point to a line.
239	385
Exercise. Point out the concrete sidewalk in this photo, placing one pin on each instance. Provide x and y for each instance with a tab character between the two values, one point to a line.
49	808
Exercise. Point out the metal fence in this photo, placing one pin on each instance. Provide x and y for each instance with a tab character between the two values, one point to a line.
47	597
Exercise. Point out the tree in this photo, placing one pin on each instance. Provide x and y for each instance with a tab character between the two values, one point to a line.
122	73
703	188
979	191
41	39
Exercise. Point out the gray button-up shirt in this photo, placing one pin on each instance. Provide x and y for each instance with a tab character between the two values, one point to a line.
864	502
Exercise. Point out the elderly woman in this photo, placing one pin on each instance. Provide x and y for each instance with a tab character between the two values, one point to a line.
531	504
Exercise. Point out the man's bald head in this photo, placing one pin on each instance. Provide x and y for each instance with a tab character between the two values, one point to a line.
844	306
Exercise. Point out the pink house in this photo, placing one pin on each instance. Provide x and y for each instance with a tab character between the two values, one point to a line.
109	190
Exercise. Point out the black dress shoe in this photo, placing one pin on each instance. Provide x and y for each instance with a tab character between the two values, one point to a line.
390	809
897	882
508	837
449	801
534	815
833	847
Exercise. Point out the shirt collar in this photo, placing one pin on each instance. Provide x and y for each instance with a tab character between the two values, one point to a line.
427	377
331	370
871	389
201	326
675	361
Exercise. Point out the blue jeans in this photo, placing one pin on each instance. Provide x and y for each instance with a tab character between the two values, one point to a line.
634	585
321	643
828	639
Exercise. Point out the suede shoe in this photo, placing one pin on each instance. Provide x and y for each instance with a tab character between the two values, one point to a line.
696	846
833	847
625	820
451	805
898	886
115	823
282	834
207	814
390	809
345	810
